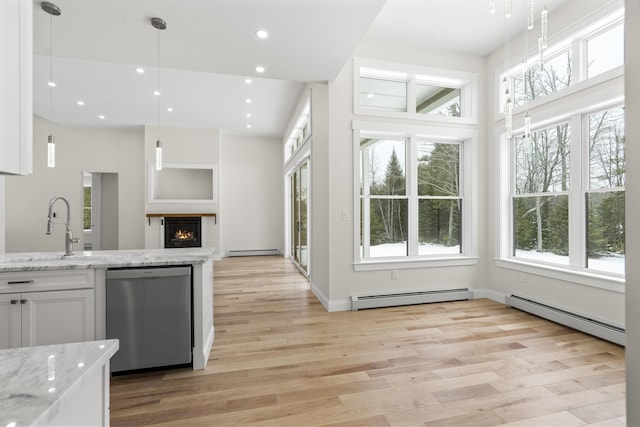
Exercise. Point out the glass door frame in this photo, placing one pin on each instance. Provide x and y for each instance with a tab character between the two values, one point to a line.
294	250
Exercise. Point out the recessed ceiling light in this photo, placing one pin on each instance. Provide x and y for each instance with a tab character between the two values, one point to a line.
101	117
169	109
248	81
52	84
156	92
248	114
248	126
140	70
262	34
371	95
80	103
260	69
248	101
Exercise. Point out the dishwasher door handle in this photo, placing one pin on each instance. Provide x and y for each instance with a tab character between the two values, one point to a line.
148	273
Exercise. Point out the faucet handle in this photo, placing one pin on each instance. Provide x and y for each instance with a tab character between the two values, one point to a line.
75	240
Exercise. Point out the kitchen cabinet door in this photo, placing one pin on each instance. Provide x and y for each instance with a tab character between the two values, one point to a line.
58	317
10	313
16	87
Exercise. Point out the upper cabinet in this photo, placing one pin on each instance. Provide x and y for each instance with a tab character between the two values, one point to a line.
16	81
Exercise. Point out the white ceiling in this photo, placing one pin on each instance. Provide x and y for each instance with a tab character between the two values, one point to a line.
210	47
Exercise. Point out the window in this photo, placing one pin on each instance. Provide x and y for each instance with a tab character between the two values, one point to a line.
563	186
605	193
548	198
439	201
605	51
384	198
538	83
541	199
411	201
384	95
588	53
410	92
87	207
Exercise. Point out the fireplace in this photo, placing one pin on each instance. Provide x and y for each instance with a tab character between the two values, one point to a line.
182	232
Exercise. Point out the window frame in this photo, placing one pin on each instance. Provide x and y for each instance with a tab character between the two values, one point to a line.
413	75
573	40
467	140
577	271
585	96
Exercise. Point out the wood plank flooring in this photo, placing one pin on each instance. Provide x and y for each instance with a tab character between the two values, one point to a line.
279	359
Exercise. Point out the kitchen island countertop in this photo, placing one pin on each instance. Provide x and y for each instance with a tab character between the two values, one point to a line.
38	383
37	261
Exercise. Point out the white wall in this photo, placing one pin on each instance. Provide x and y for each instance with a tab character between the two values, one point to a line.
2	214
344	281
78	149
252	194
186	146
606	305
632	154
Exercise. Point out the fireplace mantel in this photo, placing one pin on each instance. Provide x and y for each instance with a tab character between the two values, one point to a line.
165	215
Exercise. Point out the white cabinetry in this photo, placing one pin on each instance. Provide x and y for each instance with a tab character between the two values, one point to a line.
33	313
16	87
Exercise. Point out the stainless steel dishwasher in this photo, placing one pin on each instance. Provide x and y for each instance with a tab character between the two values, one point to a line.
149	311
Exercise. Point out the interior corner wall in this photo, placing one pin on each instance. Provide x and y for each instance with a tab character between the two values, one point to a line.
632	158
77	150
320	190
344	281
251	194
599	303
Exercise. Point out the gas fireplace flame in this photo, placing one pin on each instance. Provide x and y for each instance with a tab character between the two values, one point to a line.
184	235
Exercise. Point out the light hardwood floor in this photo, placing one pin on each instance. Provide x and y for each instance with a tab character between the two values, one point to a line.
279	359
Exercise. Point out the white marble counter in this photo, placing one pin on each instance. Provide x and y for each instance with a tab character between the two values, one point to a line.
37	382
35	261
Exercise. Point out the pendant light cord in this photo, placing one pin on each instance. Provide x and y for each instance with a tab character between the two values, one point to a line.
51	70
159	94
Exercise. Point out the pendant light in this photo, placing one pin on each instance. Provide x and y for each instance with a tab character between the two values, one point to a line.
52	10
159	24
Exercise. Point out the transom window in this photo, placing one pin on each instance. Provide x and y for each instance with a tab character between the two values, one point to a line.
412	92
589	53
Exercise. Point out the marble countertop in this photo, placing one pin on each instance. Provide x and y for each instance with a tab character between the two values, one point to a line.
34	261
35	382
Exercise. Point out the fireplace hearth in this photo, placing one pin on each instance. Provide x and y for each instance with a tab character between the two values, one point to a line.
182	232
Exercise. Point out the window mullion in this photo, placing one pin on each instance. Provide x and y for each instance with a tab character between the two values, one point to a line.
579	171
412	194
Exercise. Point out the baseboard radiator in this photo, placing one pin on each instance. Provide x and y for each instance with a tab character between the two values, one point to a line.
575	321
359	302
252	252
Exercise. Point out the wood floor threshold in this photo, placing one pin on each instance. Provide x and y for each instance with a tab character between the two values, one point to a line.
280	359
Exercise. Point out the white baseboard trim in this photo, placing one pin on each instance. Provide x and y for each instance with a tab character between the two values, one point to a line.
345	304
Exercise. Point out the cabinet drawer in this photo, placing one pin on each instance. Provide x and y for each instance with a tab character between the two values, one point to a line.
49	280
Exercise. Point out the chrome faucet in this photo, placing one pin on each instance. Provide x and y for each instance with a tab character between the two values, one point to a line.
69	240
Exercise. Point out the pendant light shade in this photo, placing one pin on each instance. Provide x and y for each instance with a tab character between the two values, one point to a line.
53	10
51	151
158	155
159	24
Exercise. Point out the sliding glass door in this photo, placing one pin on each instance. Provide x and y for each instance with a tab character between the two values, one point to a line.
299	216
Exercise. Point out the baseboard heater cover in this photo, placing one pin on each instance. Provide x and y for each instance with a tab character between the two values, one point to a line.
252	252
359	302
576	321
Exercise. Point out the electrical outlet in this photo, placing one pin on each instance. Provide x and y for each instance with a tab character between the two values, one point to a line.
345	215
394	274
523	277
